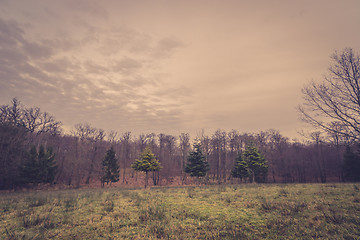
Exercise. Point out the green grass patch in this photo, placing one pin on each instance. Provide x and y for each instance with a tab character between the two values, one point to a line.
298	211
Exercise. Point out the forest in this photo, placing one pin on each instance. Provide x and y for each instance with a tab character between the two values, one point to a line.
77	157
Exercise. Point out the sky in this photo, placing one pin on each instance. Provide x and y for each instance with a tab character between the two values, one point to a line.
168	66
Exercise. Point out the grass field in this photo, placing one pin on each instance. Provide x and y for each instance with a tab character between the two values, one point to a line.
299	211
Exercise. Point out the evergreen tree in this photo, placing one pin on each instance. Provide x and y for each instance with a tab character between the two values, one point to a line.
351	165
110	167
256	163
241	168
147	162
39	167
30	169
52	168
47	164
196	165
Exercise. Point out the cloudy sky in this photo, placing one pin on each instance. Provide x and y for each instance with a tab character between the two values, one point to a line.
171	66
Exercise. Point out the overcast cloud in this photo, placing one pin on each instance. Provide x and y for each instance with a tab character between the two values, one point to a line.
171	66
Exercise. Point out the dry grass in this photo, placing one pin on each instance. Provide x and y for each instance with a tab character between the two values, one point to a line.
299	211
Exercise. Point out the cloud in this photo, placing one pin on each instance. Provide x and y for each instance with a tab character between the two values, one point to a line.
127	66
95	68
10	32
109	75
63	43
175	93
116	39
37	50
89	7
166	46
58	65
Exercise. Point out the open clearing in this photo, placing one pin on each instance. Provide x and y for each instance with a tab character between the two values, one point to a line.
269	211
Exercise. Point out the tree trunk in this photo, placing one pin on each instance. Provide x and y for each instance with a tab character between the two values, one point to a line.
91	169
146	179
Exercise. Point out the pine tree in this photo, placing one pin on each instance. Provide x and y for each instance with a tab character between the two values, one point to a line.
196	165
257	164
241	168
147	162
47	165
39	167
52	168
30	169
110	167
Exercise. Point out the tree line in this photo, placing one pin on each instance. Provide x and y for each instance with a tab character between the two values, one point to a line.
49	156
32	141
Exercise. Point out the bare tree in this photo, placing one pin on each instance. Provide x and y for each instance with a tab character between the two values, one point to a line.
142	141
184	149
12	114
337	98
32	119
125	142
90	141
112	136
219	143
86	132
172	170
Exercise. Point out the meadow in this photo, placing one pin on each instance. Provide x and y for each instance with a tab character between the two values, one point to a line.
252	211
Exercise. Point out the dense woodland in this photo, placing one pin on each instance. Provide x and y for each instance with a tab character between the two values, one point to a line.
78	156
